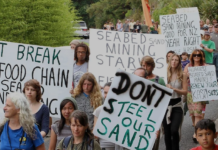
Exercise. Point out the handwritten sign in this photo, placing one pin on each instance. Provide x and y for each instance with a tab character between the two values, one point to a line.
187	10
203	83
182	32
133	111
52	67
111	50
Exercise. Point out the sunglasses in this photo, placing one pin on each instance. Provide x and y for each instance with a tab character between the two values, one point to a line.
196	55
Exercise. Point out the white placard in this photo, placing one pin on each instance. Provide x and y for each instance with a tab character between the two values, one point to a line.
203	83
111	50
182	32
132	114
187	10
52	67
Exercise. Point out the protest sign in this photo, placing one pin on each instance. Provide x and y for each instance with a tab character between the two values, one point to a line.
52	67
187	10
133	111
111	50
182	32
203	83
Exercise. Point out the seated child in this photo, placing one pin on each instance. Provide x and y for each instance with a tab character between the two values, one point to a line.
205	134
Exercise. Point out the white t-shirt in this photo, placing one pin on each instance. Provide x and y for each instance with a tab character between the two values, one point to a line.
103	143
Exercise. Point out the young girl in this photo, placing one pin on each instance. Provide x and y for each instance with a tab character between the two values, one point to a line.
185	60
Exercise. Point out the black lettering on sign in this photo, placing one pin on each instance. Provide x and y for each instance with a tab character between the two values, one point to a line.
111	109
124	77
2	48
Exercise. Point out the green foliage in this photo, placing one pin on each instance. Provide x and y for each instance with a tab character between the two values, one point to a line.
209	9
40	22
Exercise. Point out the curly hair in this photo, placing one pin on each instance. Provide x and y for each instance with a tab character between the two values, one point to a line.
202	61
95	96
87	51
178	69
26	119
36	85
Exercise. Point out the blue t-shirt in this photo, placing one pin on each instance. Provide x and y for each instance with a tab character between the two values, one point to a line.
15	136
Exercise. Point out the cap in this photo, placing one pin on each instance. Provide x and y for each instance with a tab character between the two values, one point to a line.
206	33
73	101
205	28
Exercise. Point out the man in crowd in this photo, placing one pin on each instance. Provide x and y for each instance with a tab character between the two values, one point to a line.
214	23
137	27
214	38
81	57
201	24
208	47
126	26
131	25
210	28
144	27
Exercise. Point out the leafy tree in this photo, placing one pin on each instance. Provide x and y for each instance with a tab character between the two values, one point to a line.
40	22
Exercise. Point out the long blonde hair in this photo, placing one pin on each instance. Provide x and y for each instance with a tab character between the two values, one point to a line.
178	69
26	119
95	96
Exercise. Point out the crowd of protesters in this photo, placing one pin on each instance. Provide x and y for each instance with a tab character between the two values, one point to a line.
133	26
27	118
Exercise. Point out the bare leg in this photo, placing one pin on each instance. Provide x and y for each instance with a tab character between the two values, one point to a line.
193	121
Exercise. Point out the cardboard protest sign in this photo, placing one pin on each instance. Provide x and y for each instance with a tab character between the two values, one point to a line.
203	83
187	10
133	111
52	67
182	32
111	50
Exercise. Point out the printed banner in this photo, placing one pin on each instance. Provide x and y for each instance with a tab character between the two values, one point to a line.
182	32
132	112
111	50
203	83
52	67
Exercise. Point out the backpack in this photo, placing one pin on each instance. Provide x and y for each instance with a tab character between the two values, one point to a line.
156	79
67	139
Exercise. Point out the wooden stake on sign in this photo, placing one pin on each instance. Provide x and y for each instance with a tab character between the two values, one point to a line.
146	12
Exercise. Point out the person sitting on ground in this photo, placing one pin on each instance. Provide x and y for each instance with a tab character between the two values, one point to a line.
206	133
18	130
32	91
61	128
82	137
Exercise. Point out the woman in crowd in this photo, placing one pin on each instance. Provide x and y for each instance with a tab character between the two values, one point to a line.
177	81
112	26
169	54
74	43
32	91
82	137
195	108
18	130
61	129
88	96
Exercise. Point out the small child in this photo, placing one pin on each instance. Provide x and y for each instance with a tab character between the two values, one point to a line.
205	134
185	60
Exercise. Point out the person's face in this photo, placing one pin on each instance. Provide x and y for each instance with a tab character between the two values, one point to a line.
67	110
211	29
72	46
214	22
10	109
206	138
106	90
77	129
168	56
87	86
81	53
30	93
206	37
207	21
140	73
174	61
184	57
215	28
148	68
197	57
201	23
